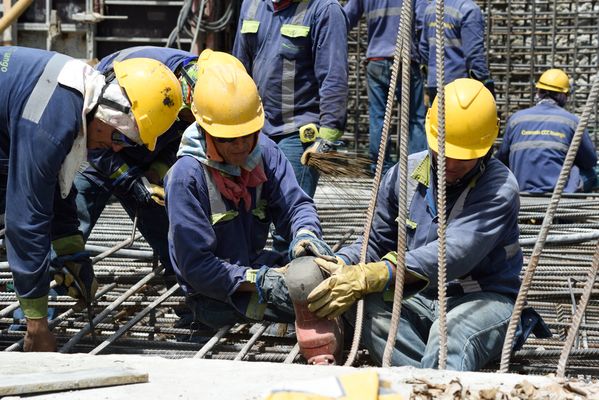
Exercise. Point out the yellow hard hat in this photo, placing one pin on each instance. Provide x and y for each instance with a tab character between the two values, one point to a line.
211	56
554	80
154	93
471	123
226	102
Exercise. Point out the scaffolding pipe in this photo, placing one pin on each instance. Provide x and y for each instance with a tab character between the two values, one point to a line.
11	15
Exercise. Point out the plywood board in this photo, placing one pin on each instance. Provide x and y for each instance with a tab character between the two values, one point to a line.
68	380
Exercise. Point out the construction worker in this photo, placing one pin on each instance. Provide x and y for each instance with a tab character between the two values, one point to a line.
228	185
537	139
482	252
296	51
134	175
54	108
382	18
465	55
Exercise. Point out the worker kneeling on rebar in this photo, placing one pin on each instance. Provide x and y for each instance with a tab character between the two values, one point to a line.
228	185
54	109
483	255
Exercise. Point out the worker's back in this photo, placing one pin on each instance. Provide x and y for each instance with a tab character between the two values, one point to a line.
535	146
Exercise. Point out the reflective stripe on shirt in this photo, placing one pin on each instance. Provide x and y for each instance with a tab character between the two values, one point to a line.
44	88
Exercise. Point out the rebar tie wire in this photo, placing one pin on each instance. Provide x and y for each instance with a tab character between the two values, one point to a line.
544	231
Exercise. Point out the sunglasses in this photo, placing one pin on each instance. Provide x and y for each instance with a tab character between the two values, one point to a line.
231	140
122	140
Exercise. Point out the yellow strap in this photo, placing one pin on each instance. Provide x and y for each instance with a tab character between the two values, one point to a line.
249	26
295	31
260	210
68	244
122	169
255	310
223	217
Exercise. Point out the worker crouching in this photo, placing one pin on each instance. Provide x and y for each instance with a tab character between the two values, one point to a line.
228	185
54	109
483	256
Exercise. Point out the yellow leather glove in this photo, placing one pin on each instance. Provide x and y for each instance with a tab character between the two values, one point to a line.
347	283
157	194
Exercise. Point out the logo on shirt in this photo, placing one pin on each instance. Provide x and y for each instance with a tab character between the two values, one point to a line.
543	132
4	63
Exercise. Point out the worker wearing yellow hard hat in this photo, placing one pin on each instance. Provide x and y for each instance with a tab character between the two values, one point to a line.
482	252
537	139
134	175
57	108
227	187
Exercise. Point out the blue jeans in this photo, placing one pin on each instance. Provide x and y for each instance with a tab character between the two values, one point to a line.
273	296
306	177
152	220
378	73
293	149
476	328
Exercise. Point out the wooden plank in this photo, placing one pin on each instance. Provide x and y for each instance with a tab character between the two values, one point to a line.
68	380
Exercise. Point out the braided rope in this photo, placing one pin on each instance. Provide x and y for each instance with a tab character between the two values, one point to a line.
544	231
405	37
441	190
374	194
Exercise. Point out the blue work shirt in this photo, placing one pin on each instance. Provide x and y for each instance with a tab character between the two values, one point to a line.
39	121
128	164
382	18
535	144
482	249
211	249
298	58
465	55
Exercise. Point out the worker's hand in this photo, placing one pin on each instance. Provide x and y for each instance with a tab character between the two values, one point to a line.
146	193
76	274
346	284
319	146
38	336
307	243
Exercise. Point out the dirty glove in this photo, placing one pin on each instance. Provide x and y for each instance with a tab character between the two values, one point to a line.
76	274
347	283
307	243
323	139
146	193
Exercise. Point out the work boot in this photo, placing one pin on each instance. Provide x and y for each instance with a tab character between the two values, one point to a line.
320	340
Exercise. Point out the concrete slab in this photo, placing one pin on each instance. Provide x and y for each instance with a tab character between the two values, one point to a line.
219	379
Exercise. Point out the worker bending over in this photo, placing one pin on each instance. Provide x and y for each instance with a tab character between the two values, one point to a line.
55	108
483	255
228	185
134	175
537	139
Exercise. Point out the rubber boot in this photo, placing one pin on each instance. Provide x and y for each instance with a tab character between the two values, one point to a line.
320	340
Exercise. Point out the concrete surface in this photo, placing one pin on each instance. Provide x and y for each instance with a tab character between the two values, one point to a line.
219	379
